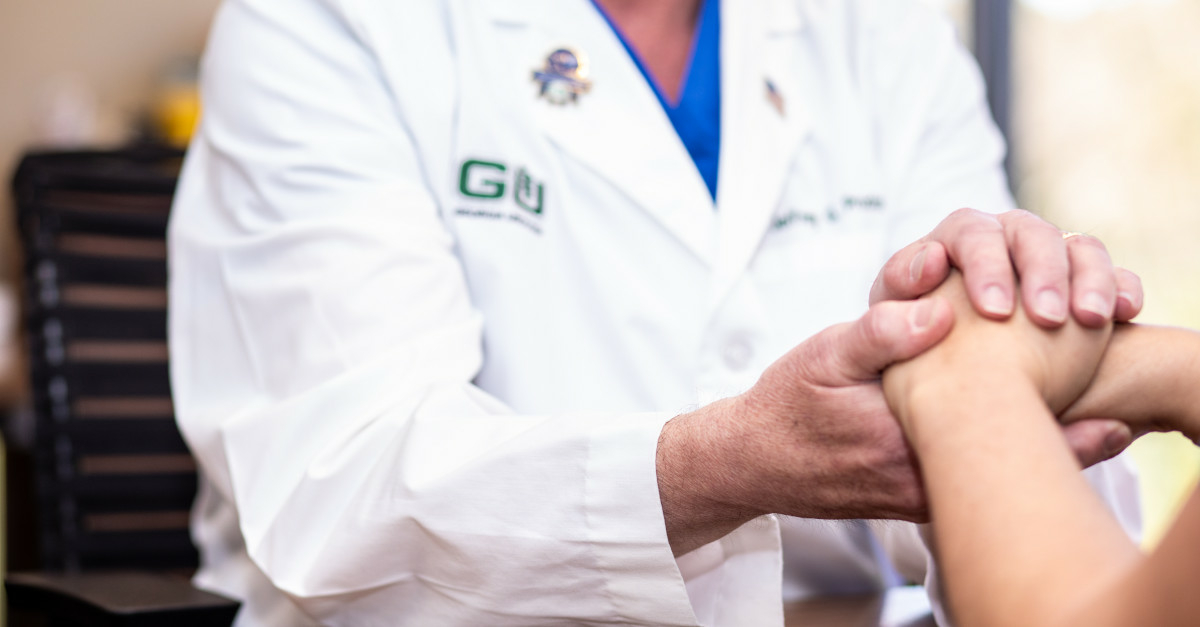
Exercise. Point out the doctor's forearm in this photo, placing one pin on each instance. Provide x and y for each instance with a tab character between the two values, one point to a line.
692	478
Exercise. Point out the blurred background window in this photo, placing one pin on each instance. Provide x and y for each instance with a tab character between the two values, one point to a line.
1100	100
1106	130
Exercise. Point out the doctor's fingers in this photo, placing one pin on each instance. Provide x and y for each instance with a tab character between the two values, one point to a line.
1044	268
1093	280
1129	295
1100	292
978	246
1064	274
913	271
1096	439
889	332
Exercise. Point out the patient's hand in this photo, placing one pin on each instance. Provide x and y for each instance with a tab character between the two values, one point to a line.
982	359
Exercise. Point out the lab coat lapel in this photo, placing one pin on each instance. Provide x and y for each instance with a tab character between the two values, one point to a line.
764	123
617	129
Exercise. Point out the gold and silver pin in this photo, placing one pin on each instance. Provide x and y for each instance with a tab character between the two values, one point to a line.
564	77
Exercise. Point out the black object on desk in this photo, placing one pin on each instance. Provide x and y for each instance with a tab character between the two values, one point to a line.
115	481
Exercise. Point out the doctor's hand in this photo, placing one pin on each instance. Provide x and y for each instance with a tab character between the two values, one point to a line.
814	437
1058	276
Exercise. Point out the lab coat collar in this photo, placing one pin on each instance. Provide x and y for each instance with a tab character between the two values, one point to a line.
644	157
783	16
617	129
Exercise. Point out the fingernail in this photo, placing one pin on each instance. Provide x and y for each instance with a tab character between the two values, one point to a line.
996	301
1050	305
921	315
917	266
1096	303
1128	298
1117	440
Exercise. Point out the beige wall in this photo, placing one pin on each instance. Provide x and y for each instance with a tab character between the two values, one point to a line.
102	55
109	50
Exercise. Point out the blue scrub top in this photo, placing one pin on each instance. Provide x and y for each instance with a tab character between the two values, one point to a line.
697	115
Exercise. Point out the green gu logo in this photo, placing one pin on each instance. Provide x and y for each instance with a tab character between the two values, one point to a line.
489	180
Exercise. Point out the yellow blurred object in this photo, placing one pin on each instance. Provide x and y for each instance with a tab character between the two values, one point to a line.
1168	468
176	112
176	107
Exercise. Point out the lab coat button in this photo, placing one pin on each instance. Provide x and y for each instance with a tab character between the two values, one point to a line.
737	354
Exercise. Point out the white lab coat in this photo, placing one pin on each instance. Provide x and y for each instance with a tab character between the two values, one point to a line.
415	406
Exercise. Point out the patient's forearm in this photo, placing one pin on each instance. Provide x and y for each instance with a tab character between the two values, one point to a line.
1149	378
1021	537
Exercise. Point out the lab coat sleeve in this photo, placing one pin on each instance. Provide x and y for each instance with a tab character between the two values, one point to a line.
323	348
942	151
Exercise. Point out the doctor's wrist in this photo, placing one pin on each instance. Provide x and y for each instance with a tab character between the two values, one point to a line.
698	479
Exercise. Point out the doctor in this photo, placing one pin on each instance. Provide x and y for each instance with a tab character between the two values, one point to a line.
518	312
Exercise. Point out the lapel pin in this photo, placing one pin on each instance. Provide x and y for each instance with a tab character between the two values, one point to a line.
564	77
775	98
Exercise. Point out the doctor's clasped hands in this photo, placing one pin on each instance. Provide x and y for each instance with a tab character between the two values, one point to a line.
815	437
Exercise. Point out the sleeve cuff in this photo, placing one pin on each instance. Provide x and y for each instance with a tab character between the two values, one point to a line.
733	581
